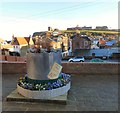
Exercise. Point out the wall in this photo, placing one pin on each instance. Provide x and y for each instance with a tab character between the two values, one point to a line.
91	68
13	68
12	58
71	68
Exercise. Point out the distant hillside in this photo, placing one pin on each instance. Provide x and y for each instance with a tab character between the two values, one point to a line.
95	31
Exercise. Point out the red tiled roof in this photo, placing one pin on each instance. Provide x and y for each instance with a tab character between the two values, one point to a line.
21	41
27	39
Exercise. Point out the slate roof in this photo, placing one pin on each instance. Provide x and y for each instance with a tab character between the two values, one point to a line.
98	52
85	37
110	43
38	34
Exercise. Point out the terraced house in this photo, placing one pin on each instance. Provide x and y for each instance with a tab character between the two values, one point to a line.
20	45
80	42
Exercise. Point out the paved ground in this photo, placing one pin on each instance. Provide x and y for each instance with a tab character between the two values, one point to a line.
88	93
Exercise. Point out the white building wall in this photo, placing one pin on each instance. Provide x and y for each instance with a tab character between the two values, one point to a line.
16	48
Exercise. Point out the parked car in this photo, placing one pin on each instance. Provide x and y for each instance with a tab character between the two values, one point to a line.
77	59
96	60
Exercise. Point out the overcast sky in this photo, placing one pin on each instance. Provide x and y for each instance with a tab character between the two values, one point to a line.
24	18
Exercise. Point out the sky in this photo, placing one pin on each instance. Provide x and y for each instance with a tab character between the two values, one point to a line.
24	18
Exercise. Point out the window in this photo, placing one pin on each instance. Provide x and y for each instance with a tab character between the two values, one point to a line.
77	45
79	57
85	43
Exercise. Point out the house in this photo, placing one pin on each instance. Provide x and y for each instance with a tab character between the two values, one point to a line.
101	43
56	32
110	43
1	41
86	28
65	42
101	27
74	28
94	43
39	34
50	43
60	39
53	39
50	28
5	48
80	42
20	45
